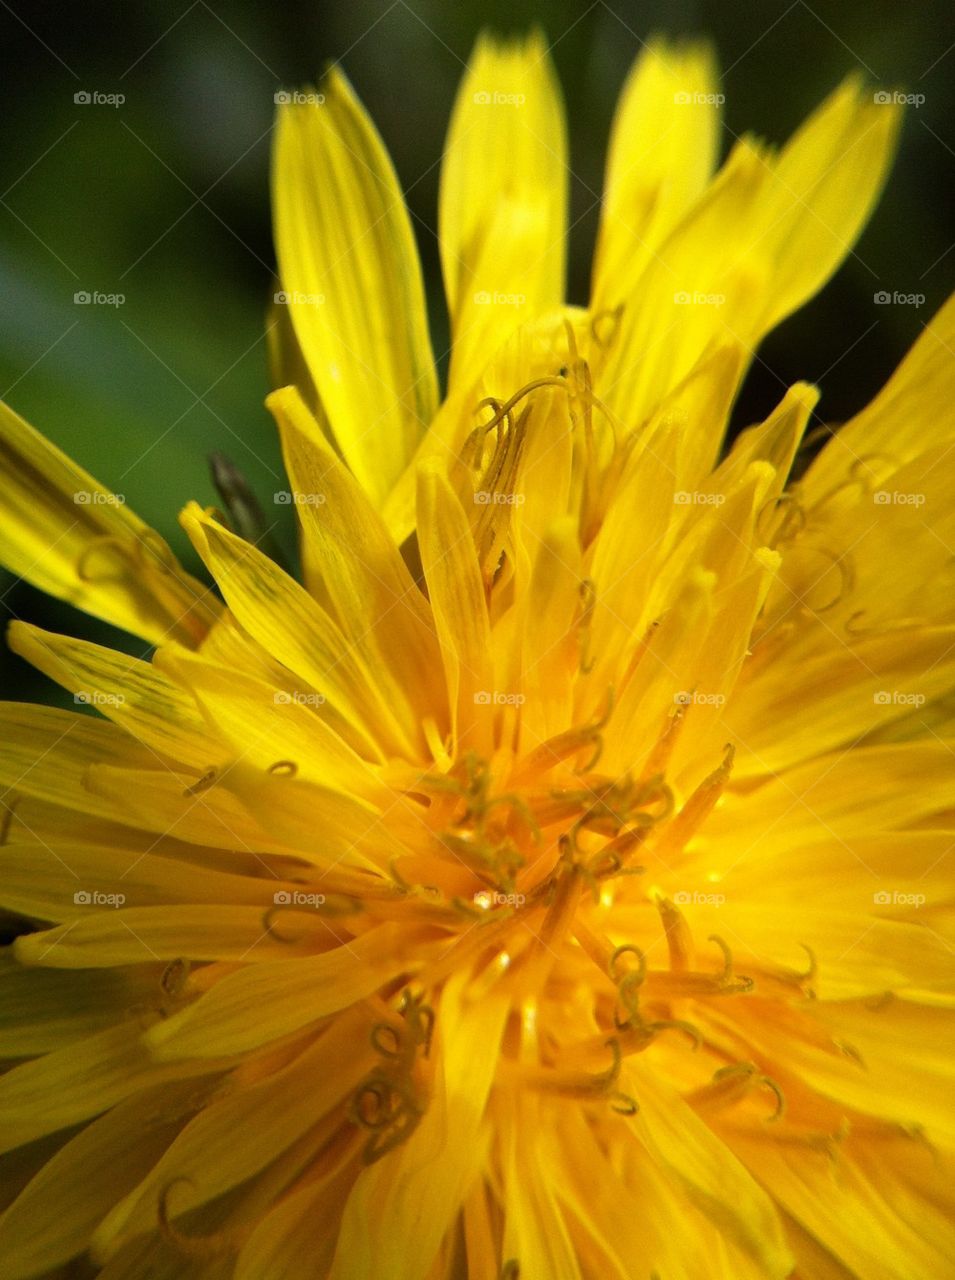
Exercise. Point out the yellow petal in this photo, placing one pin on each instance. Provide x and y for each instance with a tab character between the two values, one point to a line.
765	235
708	1172
227	1142
130	692
263	726
350	272
47	753
54	1216
663	149
825	184
81	1081
914	411
287	622
456	591
379	607
45	1009
502	211
417	1194
62	531
288	995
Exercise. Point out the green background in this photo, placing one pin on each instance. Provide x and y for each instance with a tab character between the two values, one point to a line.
165	200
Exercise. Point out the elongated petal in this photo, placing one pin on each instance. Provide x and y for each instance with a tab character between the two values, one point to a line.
130	692
350	274
663	150
503	198
379	607
62	531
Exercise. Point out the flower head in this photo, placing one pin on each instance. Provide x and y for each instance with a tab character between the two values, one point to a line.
550	883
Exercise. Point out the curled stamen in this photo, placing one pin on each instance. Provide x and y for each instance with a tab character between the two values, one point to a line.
624	1104
793	520
846	578
810	974
98	544
207	780
379	1033
191	1246
283	768
269	928
774	1088
628	948
595	731
511	1270
730	983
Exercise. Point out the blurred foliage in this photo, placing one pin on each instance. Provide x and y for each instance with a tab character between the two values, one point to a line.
164	199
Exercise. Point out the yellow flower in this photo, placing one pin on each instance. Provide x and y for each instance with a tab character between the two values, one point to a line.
552	884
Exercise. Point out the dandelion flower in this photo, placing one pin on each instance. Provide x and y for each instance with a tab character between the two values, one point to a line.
550	884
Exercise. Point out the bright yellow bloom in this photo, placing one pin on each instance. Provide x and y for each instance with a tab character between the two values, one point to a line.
553	885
